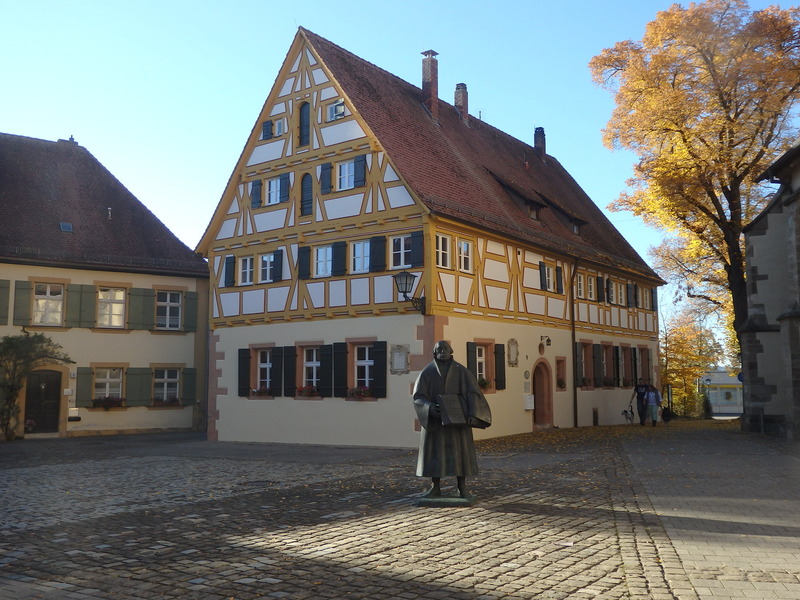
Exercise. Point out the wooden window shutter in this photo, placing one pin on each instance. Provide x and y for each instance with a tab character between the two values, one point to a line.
325	178
284	182
306	195
189	382
266	130
360	170
5	293
377	254
22	303
542	276
601	289
277	265
339	266
81	305
629	293
325	385
244	372
597	363
380	361
617	366
636	301
499	366
289	370
230	271
190	306
276	374
417	249
472	358
340	369
654	299
83	387
141	309
559	280
635	365
578	364
304	262
609	288
255	194
304	133
138	387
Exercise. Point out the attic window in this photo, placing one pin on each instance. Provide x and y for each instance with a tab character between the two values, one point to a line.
533	211
335	110
66	227
576	228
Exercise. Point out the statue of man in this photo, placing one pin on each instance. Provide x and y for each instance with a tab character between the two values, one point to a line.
447	449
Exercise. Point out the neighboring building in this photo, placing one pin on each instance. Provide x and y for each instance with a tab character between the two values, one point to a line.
724	393
352	176
770	338
84	262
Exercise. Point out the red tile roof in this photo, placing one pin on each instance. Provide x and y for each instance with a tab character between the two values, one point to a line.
46	184
464	170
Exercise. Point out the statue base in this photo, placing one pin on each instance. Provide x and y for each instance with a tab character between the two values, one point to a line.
451	501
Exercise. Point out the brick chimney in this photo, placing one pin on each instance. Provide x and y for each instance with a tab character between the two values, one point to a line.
430	82
539	142
462	100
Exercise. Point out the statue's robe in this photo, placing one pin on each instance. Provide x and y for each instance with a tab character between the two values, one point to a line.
448	451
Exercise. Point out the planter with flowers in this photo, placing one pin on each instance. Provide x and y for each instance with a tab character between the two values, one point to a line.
307	391
108	402
484	383
360	393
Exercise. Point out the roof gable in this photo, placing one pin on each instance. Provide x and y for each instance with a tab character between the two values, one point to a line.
59	205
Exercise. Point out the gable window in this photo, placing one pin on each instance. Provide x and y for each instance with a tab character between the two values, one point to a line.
323	261
272	128
304	125
621	293
401	252
549	281
269	267
111	307
579	285
334	110
108	382
166	385
48	303
311	364
646	299
246	270
279	127
590	287
306	195
480	362
346	172
465	256
443	257
274	190
364	364
168	310
359	257
610	293
264	382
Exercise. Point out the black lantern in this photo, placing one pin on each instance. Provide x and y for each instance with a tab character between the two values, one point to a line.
404	281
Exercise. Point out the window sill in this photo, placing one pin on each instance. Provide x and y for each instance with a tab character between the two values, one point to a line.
361	399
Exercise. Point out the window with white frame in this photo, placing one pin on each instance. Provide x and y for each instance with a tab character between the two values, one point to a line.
622	294
168	309
246	270
480	362
108	382
334	110
166	384
311	367
401	252
645	295
111	307
266	268
465	256
323	261
346	175
359	257
48	303
264	371
273	190
363	364
279	127
443	258
551	283
611	299
579	285
590	287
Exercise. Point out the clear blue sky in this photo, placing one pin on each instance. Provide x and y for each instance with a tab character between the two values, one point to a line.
164	93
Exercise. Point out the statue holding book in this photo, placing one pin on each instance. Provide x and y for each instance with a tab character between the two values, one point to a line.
449	403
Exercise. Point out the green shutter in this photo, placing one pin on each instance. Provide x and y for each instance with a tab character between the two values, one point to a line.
190	300
289	370
304	262
578	364
142	309
22	303
559	280
377	254
283	194
189	394
81	305
360	170
276	376
472	357
325	385
244	372
499	367
417	249
542	276
5	287
83	385
380	363
325	178
339	251
138	387
340	369
601	289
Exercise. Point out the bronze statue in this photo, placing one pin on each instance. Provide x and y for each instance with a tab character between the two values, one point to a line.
449	403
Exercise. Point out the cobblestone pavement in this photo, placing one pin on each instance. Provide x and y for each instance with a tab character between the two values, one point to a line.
690	511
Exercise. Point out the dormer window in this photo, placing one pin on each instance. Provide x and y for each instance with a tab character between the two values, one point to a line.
533	212
576	229
335	110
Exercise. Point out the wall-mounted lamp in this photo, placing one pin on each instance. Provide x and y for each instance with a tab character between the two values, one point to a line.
546	340
404	281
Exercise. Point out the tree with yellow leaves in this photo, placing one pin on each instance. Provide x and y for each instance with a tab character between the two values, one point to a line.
707	100
687	350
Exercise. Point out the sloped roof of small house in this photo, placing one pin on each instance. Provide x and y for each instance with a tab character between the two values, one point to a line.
59	206
473	172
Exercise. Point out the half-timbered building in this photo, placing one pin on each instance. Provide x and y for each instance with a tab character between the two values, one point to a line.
353	179
88	265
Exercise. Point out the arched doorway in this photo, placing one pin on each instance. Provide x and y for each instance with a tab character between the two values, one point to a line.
543	396
43	402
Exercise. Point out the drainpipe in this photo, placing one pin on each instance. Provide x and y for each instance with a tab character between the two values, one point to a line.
572	335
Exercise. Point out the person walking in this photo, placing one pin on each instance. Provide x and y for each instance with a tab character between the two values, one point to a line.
640	392
653	404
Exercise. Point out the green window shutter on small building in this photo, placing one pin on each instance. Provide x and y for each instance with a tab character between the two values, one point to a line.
138	387
81	305
189	393
142	308
5	292
83	387
22	303
190	311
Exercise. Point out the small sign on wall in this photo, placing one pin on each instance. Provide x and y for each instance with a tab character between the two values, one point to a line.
529	401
